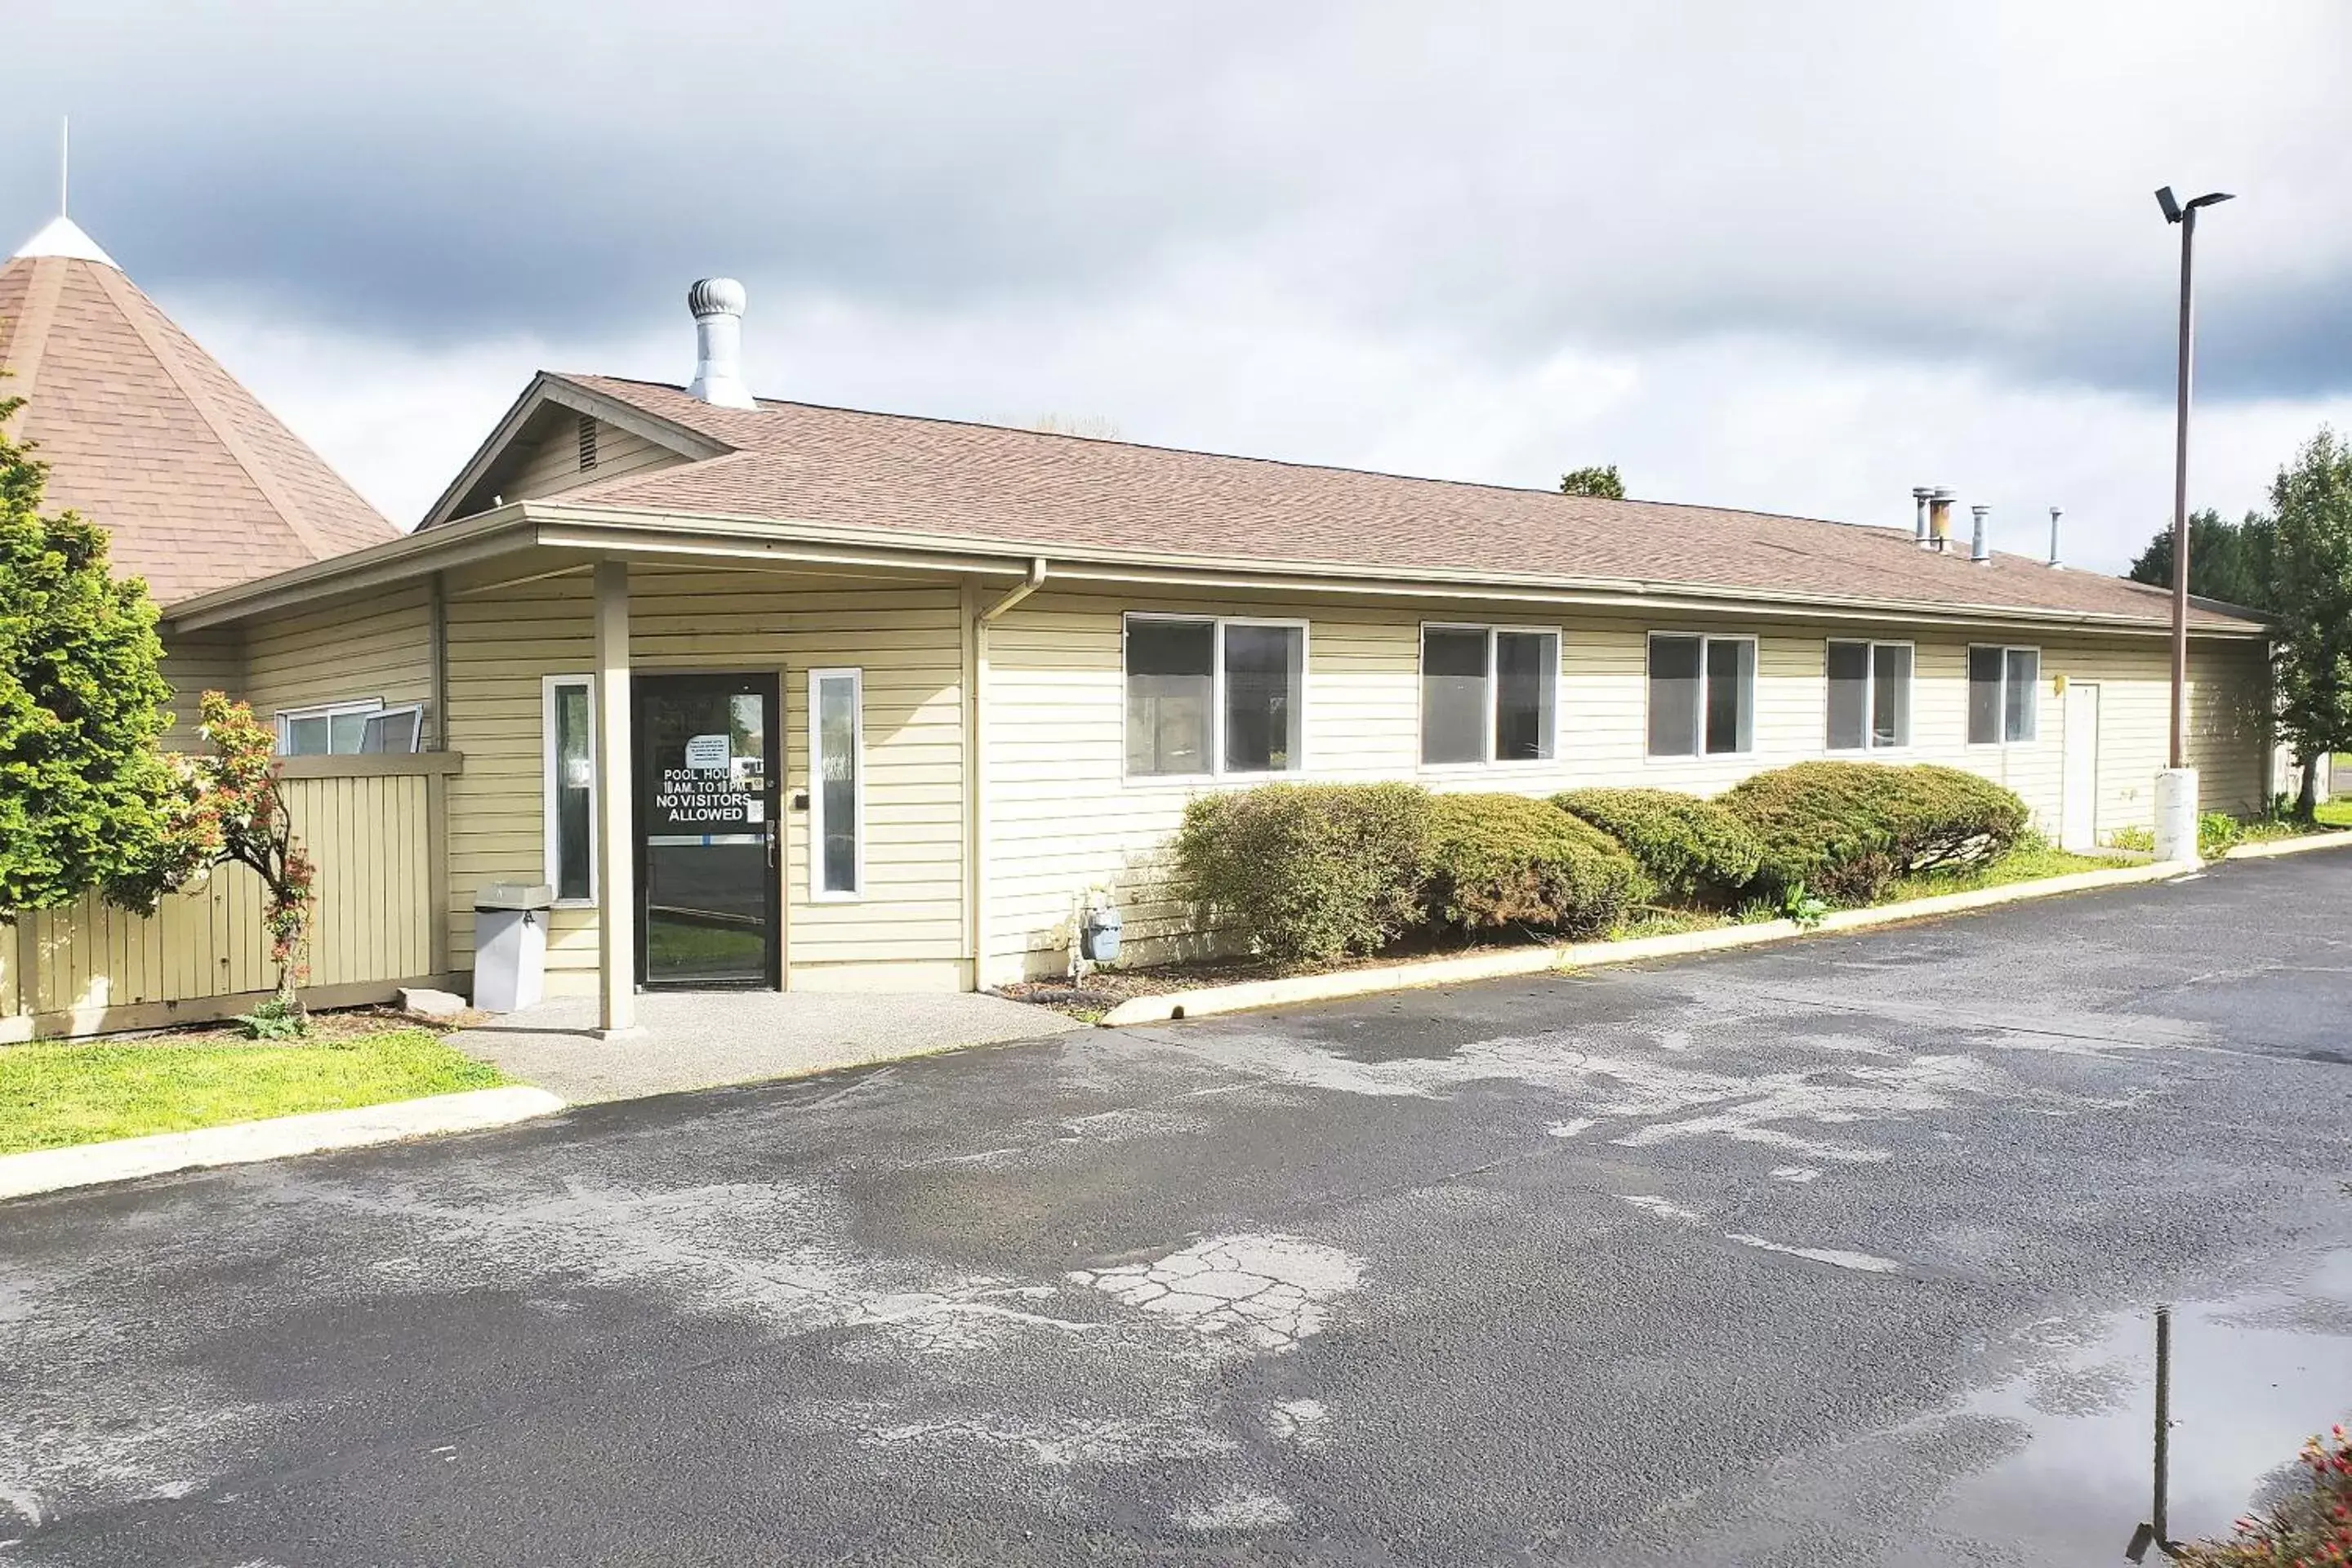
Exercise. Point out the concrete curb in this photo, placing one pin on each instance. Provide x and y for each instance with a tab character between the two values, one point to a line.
1258	994
241	1143
2265	849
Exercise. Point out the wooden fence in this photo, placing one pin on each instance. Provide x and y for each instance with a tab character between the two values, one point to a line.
376	826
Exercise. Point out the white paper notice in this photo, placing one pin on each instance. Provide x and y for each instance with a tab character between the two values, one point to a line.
707	754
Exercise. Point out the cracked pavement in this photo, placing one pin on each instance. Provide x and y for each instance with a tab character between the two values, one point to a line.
1835	1253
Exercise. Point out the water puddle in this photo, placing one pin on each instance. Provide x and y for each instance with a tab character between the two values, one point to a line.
2252	1378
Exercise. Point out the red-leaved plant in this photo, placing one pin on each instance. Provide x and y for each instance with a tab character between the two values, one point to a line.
228	808
2312	1528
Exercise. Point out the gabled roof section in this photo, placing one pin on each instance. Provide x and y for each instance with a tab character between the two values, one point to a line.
991	486
198	486
492	474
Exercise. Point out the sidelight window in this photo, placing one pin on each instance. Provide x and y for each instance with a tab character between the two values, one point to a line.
837	784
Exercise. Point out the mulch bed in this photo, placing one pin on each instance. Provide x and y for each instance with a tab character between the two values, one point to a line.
326	1029
1104	989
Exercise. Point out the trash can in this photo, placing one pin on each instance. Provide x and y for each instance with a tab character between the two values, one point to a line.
510	944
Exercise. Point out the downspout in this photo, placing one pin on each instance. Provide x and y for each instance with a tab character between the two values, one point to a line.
977	743
1018	592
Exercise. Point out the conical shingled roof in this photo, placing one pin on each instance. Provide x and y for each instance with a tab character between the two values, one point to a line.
198	484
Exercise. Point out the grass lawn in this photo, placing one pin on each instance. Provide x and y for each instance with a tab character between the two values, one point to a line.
2029	862
58	1092
2336	813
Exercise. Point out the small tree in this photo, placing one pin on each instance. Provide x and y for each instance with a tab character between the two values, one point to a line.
229	808
1600	480
81	705
2308	568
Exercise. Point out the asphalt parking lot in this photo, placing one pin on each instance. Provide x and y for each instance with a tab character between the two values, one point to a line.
1835	1253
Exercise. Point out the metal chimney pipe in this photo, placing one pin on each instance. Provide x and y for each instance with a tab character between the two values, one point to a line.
1979	549
2056	512
1919	494
1939	519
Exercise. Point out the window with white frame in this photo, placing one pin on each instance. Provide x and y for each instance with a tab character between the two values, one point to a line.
1702	695
352	729
836	783
1489	694
1208	695
2004	686
568	752
1870	695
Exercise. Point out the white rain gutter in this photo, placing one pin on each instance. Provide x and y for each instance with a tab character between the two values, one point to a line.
1019	591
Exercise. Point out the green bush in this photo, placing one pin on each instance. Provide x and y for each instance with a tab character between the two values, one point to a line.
2217	834
1845	830
1308	872
1691	848
1504	860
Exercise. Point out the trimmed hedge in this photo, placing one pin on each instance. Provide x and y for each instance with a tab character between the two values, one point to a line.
1308	872
1845	830
1505	859
1691	848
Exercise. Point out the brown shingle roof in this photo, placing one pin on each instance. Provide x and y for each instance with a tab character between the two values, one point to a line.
197	484
801	462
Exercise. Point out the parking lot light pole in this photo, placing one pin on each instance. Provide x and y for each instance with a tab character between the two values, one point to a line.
2176	787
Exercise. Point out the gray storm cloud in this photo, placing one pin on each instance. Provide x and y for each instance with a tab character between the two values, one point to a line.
1969	186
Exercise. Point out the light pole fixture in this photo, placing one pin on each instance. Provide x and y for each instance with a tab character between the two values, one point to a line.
2185	216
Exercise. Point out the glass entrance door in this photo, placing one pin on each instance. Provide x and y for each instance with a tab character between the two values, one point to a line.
706	845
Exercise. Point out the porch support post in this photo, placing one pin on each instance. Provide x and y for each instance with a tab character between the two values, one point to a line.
616	976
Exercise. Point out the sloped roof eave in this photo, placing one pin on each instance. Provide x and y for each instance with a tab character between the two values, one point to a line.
1342	577
548	387
587	528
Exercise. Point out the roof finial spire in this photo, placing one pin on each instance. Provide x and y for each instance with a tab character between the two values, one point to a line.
61	236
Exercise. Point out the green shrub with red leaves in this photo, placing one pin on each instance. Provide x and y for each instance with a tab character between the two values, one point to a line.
2310	1529
228	809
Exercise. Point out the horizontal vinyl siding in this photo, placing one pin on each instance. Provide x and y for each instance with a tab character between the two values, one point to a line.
380	646
551	465
194	664
1063	818
2230	735
907	641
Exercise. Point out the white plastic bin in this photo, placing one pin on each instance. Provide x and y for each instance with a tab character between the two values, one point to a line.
510	944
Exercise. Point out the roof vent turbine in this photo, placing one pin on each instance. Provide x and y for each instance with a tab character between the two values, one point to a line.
718	306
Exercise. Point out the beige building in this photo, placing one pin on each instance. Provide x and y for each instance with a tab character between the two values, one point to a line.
773	694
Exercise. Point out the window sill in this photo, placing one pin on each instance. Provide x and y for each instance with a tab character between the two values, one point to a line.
1499	765
1195	781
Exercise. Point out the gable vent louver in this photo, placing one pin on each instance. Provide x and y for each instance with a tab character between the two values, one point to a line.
587	443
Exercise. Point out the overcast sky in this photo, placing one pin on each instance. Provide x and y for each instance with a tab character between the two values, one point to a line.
1799	257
